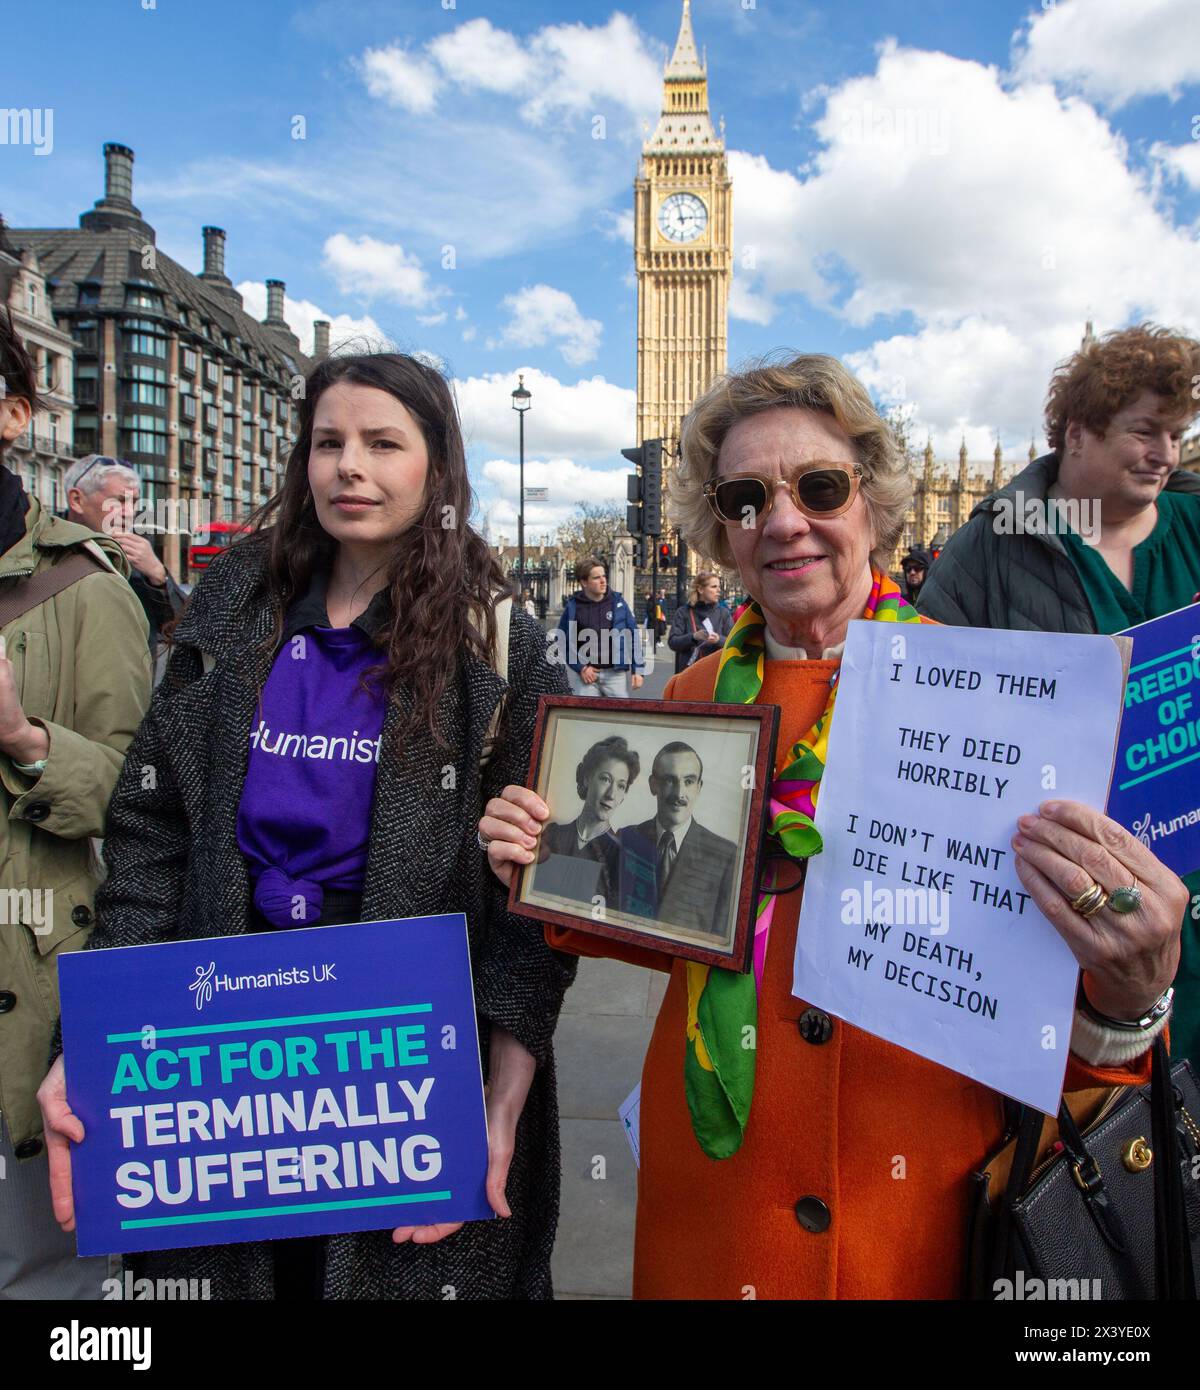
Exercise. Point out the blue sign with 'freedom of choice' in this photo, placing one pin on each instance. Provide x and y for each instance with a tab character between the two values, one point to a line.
276	1084
1156	780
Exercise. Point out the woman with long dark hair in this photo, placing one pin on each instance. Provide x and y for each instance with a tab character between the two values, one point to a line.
362	612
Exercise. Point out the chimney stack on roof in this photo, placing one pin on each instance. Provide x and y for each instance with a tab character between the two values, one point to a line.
214	253
118	174
275	292
116	208
321	338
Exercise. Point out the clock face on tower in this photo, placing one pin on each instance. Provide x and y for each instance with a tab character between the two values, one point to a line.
682	217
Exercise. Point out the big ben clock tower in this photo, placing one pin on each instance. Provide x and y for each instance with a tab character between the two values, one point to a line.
683	249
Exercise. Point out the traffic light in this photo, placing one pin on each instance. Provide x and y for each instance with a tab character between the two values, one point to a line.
665	558
644	514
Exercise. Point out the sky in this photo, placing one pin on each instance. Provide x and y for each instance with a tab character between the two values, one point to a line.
940	194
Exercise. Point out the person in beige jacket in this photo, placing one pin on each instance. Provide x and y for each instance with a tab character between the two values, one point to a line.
74	684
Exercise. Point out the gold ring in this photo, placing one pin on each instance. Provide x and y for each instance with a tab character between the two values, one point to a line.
1090	901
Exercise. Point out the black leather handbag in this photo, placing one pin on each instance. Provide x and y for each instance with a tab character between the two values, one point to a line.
1104	1204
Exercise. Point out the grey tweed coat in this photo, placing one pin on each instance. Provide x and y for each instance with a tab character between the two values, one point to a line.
175	871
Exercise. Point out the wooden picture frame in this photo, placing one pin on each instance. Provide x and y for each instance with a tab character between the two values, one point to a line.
622	779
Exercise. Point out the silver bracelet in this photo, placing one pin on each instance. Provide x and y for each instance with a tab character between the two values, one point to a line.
1159	1009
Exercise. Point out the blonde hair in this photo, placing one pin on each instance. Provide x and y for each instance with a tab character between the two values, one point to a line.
810	381
699	582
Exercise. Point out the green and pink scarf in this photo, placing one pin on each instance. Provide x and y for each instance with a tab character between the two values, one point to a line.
722	1021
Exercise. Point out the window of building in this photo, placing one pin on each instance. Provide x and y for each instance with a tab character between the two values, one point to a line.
87	334
212	373
212	417
227	426
144	393
187	453
85	437
144	344
31	298
187	407
143	371
89	294
143	297
144	441
188	361
85	389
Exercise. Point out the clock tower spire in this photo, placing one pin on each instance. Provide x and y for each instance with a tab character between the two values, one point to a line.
683	249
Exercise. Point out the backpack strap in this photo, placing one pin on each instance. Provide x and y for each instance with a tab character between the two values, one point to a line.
20	595
503	612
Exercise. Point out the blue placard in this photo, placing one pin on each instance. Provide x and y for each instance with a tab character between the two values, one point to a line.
1156	780
278	1084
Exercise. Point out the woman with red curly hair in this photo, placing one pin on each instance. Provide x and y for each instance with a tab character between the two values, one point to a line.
1098	535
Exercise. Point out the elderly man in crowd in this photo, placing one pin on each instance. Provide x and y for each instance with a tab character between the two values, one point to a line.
103	494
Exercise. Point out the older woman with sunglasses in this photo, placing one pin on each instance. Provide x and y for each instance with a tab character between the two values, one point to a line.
785	1154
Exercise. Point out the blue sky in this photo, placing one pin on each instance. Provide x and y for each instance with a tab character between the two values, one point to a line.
940	193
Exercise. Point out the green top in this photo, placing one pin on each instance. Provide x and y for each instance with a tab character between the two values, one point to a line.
1166	576
1166	568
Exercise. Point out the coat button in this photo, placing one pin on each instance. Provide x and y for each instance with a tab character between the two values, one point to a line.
81	915
37	810
813	1214
29	1149
815	1027
8	1001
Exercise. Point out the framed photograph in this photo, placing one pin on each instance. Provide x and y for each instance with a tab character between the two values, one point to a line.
656	822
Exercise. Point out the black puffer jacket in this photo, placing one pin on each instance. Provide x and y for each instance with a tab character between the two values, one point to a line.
986	577
175	870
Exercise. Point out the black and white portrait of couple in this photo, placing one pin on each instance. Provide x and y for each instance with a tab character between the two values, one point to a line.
648	822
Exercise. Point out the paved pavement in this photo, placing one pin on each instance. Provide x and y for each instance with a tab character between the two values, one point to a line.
602	1037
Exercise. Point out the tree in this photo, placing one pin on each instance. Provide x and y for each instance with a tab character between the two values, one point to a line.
593	530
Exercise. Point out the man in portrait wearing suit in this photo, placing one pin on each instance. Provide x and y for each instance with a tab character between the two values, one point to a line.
672	867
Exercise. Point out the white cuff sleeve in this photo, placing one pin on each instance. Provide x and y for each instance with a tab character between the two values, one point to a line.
1099	1046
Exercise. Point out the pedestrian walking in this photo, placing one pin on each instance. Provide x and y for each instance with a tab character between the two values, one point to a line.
600	636
701	625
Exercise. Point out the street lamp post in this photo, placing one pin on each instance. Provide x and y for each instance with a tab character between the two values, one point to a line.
521	398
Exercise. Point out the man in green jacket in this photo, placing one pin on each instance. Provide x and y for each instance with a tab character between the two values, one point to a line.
74	684
1099	535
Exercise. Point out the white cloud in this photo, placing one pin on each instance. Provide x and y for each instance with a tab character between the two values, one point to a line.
431	320
588	419
379	269
567	483
1180	161
1111	50
477	55
542	314
469	334
997	218
582	69
354	334
561	69
617	226
400	79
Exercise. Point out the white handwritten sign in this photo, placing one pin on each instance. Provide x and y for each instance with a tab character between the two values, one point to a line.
914	924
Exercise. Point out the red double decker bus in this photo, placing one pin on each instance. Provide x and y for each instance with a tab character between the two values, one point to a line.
221	535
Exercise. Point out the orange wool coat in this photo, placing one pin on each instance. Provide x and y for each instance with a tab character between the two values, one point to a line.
885	1139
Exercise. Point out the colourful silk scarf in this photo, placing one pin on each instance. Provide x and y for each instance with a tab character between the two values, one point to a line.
722	1023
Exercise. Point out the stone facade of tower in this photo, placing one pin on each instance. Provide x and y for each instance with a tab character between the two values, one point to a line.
942	500
683	250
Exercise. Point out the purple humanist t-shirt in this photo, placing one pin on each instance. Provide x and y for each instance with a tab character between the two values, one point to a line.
305	813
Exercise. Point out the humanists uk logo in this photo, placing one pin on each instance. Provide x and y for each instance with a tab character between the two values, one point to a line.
207	982
1147	831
